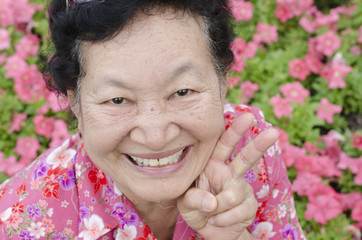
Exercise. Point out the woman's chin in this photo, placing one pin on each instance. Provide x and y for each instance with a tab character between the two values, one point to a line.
158	193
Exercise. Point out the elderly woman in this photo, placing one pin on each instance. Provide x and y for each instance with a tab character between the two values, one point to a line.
146	82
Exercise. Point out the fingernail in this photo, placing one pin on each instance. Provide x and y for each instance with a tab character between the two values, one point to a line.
208	203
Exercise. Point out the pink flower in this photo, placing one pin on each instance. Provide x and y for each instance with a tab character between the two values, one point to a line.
321	165
28	84
335	74
266	33
326	110
298	69
310	147
308	163
313	63
2	58
333	137
291	154
328	43
241	49
56	103
4	39
239	64
10	165
358	178
319	189
357	140
304	182
331	140
281	107
294	92
24	11
238	46
14	65
357	212
359	40
233	81
323	209
312	11
297	7
302	6
355	50
308	25
353	164
328	165
250	50
17	122
28	46
345	161
349	200
312	48
60	132
242	10
248	89
43	126
345	10
6	14
283	137
329	20
27	147
283	13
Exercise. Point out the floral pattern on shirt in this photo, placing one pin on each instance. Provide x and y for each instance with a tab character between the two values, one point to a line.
62	195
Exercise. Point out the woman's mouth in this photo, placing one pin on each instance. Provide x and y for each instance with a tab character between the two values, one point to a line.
160	161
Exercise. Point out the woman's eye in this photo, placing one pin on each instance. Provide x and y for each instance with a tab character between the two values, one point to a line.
117	101
183	92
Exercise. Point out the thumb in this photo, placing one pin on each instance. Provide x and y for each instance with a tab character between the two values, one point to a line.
195	205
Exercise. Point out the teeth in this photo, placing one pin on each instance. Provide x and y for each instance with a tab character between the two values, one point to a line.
158	162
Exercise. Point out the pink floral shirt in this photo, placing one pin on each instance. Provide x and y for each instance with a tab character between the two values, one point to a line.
62	195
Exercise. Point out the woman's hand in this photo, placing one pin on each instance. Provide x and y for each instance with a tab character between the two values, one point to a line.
222	204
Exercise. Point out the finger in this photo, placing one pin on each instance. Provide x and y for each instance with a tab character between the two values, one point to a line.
230	138
253	151
243	213
202	182
234	193
194	206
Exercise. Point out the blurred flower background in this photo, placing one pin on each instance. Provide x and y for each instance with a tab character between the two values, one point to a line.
298	60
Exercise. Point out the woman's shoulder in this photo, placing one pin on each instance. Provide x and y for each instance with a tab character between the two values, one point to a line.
40	190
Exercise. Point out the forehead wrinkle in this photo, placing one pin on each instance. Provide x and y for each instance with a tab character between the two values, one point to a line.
109	82
187	67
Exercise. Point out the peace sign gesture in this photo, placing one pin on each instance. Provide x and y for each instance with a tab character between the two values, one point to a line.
222	204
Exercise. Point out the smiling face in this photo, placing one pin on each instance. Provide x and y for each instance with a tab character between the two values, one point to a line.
150	108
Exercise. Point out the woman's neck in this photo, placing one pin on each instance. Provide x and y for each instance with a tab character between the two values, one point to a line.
160	217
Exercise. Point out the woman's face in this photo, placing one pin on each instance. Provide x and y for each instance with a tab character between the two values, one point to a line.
151	107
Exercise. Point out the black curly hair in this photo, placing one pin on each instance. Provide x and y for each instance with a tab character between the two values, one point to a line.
101	20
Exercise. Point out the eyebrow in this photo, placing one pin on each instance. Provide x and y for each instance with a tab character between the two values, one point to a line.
184	68
110	82
119	83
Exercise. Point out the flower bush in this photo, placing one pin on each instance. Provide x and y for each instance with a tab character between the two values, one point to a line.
299	61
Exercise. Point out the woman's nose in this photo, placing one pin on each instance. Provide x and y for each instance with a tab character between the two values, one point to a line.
155	128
